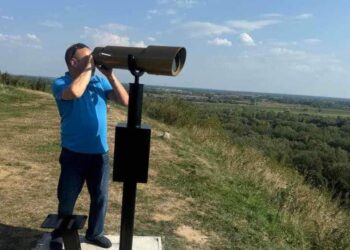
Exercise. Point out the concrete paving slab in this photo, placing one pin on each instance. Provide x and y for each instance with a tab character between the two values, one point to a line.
139	243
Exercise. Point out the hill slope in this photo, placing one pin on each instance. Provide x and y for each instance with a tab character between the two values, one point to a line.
203	193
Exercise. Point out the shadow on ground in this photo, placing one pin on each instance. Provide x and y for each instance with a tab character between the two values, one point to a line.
14	238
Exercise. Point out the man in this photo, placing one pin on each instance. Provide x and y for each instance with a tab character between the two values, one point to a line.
81	99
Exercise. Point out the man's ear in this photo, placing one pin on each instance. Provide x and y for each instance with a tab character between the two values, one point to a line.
73	62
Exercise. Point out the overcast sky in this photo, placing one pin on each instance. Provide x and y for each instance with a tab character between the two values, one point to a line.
278	46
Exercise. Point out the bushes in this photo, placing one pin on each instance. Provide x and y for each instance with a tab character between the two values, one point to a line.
35	83
174	111
316	146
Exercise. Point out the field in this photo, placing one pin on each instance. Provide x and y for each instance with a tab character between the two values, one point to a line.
203	191
310	134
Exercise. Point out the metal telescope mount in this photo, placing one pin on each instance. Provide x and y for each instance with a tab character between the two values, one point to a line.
131	155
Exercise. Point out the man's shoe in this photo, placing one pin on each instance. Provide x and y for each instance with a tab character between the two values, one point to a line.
100	241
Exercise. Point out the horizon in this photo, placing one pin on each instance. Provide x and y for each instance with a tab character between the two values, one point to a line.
293	48
206	89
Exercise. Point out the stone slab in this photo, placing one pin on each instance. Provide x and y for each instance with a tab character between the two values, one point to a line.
139	243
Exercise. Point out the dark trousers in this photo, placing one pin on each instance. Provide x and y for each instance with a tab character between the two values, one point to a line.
76	168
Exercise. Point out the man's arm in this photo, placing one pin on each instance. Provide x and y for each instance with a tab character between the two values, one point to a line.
119	94
78	86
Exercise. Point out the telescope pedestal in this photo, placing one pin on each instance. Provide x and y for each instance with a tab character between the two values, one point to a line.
131	156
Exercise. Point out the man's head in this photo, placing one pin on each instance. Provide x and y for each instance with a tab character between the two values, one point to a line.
77	57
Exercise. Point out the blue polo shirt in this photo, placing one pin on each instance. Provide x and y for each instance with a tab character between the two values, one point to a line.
83	120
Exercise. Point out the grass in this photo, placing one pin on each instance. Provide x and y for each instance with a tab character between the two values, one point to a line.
203	193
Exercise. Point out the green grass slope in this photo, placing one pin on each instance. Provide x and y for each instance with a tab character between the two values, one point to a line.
203	193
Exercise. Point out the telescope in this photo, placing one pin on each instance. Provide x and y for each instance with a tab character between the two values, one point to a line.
132	140
157	60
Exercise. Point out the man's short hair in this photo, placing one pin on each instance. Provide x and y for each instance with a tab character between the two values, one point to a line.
70	52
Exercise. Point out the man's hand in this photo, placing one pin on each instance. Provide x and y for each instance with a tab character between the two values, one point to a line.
108	72
87	63
119	93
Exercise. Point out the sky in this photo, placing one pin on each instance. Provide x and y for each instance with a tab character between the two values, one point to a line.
277	46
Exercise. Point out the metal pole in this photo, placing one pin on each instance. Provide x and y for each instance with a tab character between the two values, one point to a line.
128	212
130	186
71	239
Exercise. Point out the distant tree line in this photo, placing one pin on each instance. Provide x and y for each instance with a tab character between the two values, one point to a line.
31	82
236	97
317	146
316	102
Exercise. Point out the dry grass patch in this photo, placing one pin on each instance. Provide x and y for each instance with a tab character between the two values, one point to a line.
170	206
195	237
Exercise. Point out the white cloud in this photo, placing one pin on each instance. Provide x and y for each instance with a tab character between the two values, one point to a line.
175	20
179	3
336	68
10	18
308	41
151	39
312	41
185	3
138	44
287	71
153	12
29	40
196	29
33	38
161	12
251	25
220	42
52	24
174	8
9	38
246	39
114	27
272	15
302	68
287	52
283	44
301	61
103	37
170	12
304	16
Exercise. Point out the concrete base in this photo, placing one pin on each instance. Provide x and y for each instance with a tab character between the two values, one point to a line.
139	243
